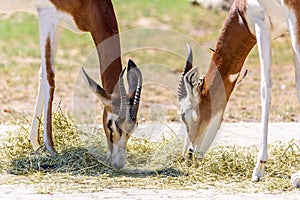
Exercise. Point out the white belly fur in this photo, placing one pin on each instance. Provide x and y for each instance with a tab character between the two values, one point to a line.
31	6
275	10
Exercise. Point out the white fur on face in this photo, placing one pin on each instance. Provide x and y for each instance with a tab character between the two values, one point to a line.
190	110
202	136
185	104
207	134
117	155
194	116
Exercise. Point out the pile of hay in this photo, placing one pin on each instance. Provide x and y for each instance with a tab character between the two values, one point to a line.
80	164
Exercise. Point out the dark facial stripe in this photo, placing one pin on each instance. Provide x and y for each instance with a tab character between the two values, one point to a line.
109	123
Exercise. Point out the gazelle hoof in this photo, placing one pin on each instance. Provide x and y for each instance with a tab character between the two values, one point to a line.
295	179
256	178
258	171
51	150
35	143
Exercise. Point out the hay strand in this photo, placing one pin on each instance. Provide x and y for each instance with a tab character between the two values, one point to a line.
81	167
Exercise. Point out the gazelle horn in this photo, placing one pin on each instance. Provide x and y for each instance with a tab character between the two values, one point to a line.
137	96
124	104
188	66
134	75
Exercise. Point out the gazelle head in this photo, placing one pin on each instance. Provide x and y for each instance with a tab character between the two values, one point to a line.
120	117
201	108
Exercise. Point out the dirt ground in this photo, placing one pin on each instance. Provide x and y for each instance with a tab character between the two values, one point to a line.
25	192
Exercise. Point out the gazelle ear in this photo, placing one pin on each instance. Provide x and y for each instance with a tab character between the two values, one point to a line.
132	77
191	80
182	93
97	89
135	82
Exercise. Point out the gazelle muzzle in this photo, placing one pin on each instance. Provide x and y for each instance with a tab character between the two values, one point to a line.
120	120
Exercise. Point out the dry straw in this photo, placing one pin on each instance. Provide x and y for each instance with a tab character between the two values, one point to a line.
80	163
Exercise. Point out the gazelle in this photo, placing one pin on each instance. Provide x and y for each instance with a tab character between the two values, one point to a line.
98	18
203	100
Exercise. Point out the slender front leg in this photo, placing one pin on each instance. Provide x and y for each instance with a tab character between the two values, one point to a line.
263	36
294	34
297	71
187	146
48	23
34	133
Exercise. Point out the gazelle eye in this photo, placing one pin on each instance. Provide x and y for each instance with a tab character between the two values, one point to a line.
109	123
183	117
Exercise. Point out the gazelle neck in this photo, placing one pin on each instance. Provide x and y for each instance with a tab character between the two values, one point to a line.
105	34
233	46
109	55
100	20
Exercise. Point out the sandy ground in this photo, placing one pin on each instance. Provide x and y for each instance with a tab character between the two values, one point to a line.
22	192
239	134
229	134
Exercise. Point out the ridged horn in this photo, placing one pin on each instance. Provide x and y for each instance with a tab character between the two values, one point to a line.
138	91
97	89
124	104
188	66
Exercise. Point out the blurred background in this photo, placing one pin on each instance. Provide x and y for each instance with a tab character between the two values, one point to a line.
140	23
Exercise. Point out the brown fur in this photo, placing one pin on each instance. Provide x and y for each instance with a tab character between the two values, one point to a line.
233	46
50	79
295	5
106	131
98	18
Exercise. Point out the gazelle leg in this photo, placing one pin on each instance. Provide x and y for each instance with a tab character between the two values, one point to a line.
48	23
186	147
292	21
295	179
263	36
34	133
297	72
